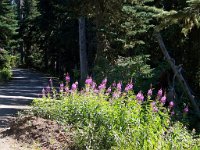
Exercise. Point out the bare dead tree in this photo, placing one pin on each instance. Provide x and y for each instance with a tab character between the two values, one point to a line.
177	72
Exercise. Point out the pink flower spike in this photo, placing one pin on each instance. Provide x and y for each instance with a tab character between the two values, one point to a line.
61	87
163	99
128	87
114	84
43	92
74	86
109	90
150	92
104	81
94	85
96	91
51	82
88	81
116	95
48	89
155	109
119	86
186	109
160	92
102	86
67	89
171	104
153	104
140	96
67	78
172	113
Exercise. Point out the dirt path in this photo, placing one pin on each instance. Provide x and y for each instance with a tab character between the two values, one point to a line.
17	95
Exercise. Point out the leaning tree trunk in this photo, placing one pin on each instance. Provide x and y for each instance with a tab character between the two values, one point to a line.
82	50
177	73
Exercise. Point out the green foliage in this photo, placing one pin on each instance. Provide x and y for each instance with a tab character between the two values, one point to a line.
49	35
5	74
125	68
4	59
104	122
14	60
5	65
8	25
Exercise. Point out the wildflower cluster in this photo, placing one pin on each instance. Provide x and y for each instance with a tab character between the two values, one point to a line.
112	92
114	115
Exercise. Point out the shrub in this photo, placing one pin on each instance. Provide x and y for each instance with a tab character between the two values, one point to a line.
5	74
4	59
109	118
14	60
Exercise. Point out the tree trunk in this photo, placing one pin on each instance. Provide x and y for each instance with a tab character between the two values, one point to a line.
83	50
21	16
177	73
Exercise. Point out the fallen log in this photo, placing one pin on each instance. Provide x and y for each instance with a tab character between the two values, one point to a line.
177	73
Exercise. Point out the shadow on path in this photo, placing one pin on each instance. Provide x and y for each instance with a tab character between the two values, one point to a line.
19	92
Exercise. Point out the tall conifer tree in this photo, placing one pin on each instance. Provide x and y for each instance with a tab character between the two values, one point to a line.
8	24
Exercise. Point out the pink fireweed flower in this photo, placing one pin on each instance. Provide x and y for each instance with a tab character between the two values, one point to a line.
61	87
94	85
74	86
128	87
102	86
109	90
67	89
116	94
51	82
104	81
140	96
114	84
172	113
163	99
43	92
153	104
171	104
88	81
119	86
48	89
186	109
96	91
160	92
150	91
67	78
155	109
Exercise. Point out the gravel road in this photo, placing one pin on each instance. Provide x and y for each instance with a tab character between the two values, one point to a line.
16	95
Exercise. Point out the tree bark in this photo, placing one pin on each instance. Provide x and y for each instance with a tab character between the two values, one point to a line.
83	50
177	73
21	16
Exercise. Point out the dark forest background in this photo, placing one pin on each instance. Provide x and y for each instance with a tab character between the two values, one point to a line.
117	38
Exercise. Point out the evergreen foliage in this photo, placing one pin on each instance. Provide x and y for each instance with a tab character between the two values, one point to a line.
8	25
49	32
